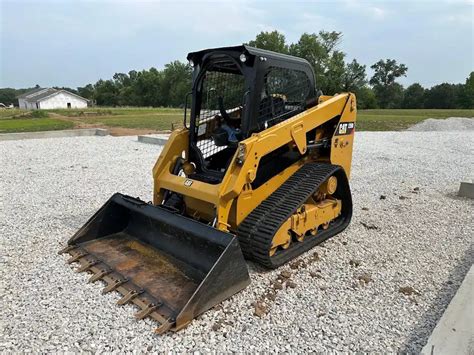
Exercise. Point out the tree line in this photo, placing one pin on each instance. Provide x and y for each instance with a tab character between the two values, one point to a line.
334	73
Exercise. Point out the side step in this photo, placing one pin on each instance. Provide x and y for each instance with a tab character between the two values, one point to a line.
172	267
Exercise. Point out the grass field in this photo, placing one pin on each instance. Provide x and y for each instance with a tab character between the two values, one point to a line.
33	125
397	120
160	119
153	121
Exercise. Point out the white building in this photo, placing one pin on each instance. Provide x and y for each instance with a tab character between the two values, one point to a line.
49	98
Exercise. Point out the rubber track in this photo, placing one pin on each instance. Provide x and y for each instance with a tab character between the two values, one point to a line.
257	230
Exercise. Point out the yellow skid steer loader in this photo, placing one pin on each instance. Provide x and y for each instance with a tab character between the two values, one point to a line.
260	171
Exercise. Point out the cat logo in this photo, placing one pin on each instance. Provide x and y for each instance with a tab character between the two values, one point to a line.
188	182
345	128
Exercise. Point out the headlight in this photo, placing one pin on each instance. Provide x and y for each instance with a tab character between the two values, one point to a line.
243	58
191	63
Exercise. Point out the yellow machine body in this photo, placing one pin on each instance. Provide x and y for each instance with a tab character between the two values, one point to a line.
261	173
233	199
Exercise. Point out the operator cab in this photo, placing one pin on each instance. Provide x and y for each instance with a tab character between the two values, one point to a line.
238	91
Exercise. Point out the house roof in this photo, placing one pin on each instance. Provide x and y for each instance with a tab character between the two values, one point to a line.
31	92
39	94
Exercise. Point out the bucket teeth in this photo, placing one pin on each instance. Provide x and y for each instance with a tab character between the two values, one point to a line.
76	257
128	297
99	275
66	249
87	265
113	285
165	326
147	310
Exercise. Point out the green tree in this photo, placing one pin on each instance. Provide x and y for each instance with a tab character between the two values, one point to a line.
320	50
332	74
149	89
310	48
442	96
8	96
365	98
388	92
124	84
386	72
176	83
354	76
413	96
272	41
86	91
74	91
106	94
466	94
390	96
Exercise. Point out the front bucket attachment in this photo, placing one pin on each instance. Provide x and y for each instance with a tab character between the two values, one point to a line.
172	267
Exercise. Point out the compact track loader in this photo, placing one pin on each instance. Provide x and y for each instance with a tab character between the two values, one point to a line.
259	171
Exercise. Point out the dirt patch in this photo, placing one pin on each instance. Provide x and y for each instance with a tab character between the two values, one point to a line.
316	274
284	281
408	291
263	304
290	284
298	264
222	320
369	226
364	278
260	309
355	263
113	131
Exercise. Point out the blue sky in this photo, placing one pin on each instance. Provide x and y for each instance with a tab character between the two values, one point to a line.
75	42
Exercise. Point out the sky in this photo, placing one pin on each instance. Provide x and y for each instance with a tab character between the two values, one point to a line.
75	42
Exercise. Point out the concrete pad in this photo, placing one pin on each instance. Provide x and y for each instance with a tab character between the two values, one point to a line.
466	189
54	134
454	333
159	139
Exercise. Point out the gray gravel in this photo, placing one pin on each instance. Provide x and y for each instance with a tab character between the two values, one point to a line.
380	286
448	124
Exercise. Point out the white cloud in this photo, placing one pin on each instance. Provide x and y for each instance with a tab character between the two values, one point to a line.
310	22
206	18
367	8
377	12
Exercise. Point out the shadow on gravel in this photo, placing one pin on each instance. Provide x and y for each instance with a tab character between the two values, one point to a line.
419	336
75	221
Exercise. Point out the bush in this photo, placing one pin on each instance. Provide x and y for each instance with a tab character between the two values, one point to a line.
38	114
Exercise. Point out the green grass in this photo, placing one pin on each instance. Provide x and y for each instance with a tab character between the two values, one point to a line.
158	119
9	113
33	125
16	113
113	111
154	121
397	120
162	118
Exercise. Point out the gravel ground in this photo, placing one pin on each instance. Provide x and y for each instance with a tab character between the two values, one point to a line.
448	124
380	286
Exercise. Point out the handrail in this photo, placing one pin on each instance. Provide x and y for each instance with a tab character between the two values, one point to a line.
186	108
